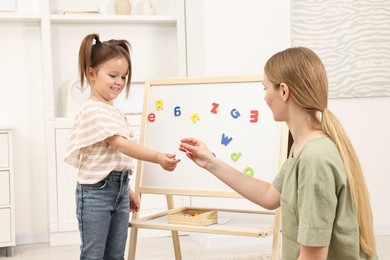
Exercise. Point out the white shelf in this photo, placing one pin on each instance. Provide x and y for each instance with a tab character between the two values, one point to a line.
97	18
12	17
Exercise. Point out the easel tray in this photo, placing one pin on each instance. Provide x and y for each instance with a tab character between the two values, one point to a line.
193	216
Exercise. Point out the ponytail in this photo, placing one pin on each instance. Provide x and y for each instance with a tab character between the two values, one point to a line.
357	185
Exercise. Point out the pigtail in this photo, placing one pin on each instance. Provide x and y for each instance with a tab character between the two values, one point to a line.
85	54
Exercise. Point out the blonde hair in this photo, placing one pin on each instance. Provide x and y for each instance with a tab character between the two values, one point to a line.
92	54
302	70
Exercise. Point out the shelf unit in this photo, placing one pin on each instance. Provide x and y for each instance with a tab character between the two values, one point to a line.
158	50
143	19
7	198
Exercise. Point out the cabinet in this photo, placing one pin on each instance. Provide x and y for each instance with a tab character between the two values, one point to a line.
7	205
158	50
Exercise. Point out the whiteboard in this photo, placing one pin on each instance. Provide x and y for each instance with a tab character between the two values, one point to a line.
217	111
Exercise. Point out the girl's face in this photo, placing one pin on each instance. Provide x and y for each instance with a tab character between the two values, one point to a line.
108	79
274	99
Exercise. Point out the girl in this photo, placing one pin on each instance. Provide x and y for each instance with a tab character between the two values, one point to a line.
321	190
101	146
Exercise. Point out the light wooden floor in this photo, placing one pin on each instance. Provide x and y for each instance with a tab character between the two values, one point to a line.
161	249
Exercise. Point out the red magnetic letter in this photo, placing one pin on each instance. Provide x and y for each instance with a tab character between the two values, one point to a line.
254	116
215	106
151	117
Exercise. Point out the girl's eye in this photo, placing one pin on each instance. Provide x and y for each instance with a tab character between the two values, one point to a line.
124	77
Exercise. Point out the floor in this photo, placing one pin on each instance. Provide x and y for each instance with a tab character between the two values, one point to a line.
161	249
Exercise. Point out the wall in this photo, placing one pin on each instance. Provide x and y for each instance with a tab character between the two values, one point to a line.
228	37
21	107
367	123
352	39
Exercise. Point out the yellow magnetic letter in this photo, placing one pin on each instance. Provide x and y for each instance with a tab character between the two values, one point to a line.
195	118
159	104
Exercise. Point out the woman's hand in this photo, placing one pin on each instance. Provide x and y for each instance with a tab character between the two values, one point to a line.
196	150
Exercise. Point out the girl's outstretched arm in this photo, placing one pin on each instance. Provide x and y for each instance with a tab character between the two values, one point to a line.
130	148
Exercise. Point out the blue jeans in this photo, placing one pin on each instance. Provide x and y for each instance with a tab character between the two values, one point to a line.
103	217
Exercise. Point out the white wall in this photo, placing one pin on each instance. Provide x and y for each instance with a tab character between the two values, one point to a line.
230	37
367	123
21	108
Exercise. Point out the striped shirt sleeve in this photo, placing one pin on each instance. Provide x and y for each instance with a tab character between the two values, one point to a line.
94	123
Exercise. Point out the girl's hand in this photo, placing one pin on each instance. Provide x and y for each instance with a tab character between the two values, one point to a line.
134	202
196	150
167	161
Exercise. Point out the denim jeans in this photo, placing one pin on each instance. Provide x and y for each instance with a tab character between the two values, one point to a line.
103	217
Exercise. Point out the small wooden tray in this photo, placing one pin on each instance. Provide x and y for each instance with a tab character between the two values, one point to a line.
194	217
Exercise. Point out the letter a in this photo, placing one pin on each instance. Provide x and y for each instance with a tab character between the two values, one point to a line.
195	118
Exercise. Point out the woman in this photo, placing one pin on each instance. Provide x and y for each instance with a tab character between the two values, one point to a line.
321	190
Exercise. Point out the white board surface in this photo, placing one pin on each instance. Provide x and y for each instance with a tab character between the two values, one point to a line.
183	109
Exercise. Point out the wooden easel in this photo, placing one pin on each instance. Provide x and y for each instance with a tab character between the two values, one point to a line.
159	221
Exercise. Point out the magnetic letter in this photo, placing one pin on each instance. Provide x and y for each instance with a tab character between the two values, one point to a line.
177	111
254	116
248	171
226	140
195	118
235	156
151	117
215	106
234	113
159	104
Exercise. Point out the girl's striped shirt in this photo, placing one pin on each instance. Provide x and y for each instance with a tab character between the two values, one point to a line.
87	149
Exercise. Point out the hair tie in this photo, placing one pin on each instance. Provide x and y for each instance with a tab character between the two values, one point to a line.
97	41
324	111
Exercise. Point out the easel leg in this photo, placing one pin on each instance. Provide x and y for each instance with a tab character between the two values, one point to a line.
133	243
276	236
175	234
176	245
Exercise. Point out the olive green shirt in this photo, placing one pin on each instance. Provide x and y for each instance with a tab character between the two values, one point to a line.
316	204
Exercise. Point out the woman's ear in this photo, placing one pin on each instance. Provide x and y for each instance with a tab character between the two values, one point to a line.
284	91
